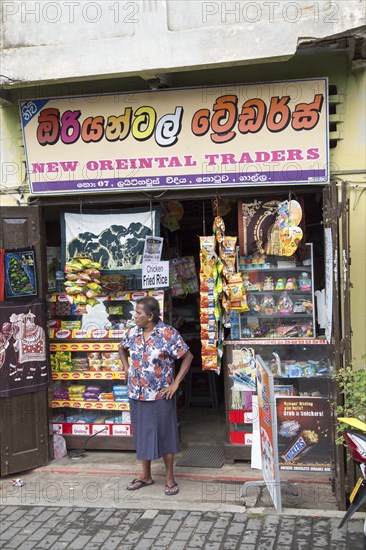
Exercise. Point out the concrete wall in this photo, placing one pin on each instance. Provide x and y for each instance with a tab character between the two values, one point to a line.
75	47
45	41
12	166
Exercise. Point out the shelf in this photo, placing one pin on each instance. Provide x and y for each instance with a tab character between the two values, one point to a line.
277	341
304	268
89	375
316	377
291	316
105	345
79	428
92	405
290	292
80	334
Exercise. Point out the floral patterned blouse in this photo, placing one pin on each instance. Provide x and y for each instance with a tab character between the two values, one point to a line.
151	365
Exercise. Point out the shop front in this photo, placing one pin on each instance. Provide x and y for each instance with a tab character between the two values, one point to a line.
234	194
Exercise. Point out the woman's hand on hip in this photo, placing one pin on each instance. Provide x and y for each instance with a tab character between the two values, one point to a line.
170	390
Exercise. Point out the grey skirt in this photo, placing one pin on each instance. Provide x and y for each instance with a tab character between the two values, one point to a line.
154	428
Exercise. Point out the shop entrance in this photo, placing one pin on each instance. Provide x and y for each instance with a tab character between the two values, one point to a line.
203	403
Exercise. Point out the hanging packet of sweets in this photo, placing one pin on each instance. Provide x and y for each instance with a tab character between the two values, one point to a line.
219	229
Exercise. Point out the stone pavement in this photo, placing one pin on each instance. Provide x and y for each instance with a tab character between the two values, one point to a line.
83	528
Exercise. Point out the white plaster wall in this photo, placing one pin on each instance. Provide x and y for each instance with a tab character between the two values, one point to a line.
77	39
12	167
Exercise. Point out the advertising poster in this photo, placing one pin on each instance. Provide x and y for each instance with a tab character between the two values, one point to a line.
152	249
304	433
268	432
254	134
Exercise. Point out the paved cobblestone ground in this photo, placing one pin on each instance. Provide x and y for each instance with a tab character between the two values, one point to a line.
71	528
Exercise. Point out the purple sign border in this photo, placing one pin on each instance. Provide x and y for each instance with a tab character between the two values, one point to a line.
192	181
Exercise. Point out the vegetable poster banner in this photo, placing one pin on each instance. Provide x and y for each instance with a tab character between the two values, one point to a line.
23	349
220	136
304	433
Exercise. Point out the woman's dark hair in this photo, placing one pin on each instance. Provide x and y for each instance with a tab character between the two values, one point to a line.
151	307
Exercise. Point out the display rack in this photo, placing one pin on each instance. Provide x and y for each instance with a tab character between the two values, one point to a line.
280	296
301	363
78	419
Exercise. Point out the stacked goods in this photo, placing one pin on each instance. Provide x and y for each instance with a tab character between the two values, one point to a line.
82	283
76	392
61	395
111	361
92	393
95	361
105	361
61	361
120	393
80	363
108	397
53	360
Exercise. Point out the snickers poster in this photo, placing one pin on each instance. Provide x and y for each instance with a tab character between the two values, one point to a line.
304	433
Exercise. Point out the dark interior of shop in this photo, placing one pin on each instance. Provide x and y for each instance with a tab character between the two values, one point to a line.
200	401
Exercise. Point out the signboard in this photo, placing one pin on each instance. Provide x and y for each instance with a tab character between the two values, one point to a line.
304	433
221	136
155	275
268	432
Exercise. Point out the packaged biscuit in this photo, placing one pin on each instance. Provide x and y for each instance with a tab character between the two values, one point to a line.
106	397
94	355
110	355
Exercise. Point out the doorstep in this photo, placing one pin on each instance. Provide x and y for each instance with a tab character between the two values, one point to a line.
125	463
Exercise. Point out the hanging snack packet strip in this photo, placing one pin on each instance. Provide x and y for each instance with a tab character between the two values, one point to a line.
82	282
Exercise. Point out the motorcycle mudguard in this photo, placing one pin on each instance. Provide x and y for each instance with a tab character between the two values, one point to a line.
358	501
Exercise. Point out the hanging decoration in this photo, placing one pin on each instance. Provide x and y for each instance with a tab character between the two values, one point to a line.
23	350
255	219
285	235
114	239
20	273
171	214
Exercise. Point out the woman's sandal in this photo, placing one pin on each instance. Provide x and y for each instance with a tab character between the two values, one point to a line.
171	490
138	484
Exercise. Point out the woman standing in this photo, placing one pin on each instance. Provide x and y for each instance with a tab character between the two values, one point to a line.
153	347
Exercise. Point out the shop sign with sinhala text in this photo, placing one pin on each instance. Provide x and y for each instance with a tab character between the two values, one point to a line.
220	136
